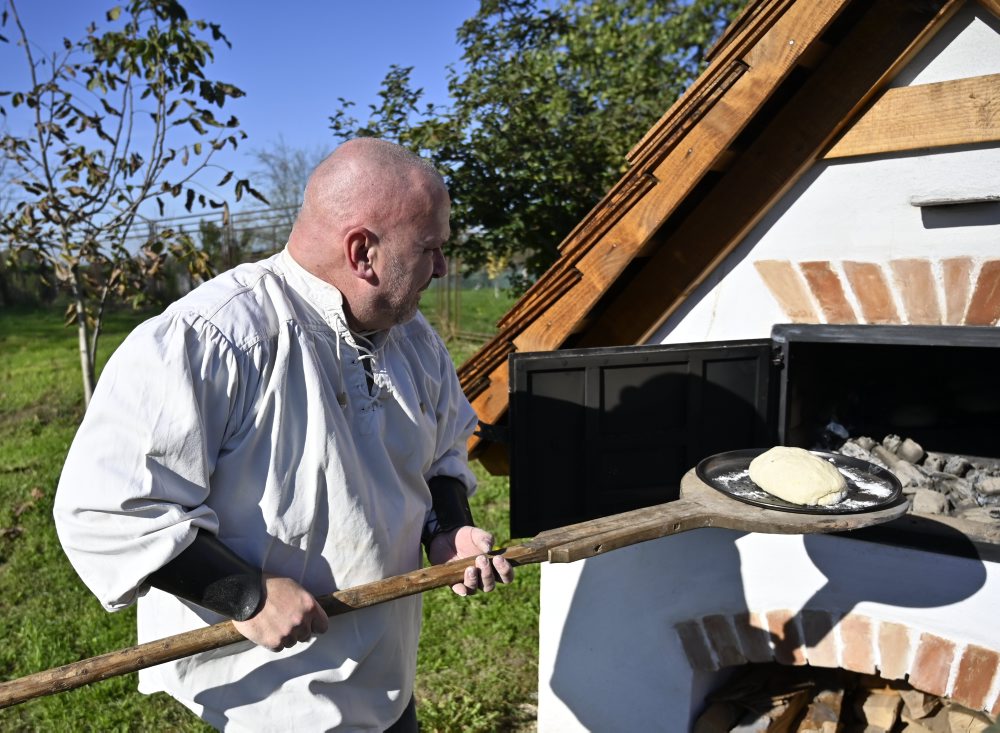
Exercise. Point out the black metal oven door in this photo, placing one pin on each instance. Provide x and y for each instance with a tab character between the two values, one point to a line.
595	432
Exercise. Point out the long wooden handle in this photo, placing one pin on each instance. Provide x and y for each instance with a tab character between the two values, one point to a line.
700	507
124	661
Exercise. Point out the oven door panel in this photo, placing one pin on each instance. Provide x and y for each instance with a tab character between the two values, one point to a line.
595	432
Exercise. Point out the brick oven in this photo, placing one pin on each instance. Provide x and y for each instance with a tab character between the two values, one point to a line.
598	431
805	249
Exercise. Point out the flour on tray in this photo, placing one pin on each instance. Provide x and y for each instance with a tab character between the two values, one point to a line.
863	489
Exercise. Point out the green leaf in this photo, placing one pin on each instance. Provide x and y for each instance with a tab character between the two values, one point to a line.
113	14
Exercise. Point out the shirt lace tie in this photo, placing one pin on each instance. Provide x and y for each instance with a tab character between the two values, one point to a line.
367	355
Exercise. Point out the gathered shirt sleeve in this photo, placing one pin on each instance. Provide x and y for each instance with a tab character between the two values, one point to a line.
456	422
133	488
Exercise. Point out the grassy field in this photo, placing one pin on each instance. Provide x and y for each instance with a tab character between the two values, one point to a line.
477	668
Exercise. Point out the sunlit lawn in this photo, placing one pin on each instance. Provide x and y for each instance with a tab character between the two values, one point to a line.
477	668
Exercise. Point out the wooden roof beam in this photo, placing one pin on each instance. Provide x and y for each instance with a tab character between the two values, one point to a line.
958	112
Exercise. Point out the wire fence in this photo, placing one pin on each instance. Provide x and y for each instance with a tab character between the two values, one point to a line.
237	236
460	305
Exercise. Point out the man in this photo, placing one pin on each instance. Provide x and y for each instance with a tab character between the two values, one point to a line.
289	428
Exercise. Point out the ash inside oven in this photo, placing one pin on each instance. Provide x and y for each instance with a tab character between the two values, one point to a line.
938	484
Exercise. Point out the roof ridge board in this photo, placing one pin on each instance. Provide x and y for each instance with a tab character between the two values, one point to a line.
740	45
556	285
626	192
668	137
751	13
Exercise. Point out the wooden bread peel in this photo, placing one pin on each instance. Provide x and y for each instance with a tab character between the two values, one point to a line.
699	506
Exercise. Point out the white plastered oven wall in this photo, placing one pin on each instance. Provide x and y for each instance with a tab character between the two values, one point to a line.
609	655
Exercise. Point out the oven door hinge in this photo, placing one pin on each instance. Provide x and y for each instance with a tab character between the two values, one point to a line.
778	357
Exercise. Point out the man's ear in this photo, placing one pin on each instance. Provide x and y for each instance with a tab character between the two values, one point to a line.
360	245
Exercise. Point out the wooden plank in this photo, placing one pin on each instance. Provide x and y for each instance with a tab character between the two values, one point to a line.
742	35
661	139
772	163
753	18
630	191
556	282
991	5
958	112
492	403
474	379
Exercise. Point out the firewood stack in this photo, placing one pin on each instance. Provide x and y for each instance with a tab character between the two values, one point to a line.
773	698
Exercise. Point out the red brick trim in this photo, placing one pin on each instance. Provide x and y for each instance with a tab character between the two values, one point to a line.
967	673
878	288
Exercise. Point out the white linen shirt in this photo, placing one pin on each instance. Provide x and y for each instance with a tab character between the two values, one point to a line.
244	410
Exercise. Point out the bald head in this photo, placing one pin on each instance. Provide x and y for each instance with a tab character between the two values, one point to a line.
365	181
356	199
361	177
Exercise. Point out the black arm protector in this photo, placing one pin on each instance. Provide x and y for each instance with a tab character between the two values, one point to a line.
449	508
213	576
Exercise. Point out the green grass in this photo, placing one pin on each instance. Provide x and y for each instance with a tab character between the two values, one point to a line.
477	310
477	668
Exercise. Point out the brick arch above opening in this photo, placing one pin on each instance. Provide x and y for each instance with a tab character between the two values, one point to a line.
951	291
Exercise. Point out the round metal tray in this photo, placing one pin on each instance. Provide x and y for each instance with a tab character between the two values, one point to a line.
869	487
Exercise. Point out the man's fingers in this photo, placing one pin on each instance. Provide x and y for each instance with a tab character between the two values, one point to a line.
320	622
504	570
484	540
485	572
471	580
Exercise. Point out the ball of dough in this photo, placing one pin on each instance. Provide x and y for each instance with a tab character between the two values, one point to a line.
798	477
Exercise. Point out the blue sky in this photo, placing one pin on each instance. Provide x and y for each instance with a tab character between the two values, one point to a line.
293	58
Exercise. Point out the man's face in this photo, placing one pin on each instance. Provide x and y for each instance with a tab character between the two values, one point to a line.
410	256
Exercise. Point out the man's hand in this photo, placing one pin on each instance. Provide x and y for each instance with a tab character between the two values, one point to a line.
467	542
290	614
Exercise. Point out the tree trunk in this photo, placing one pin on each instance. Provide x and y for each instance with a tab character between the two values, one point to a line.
86	357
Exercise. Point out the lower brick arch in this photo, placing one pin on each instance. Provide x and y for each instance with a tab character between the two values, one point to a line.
928	659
